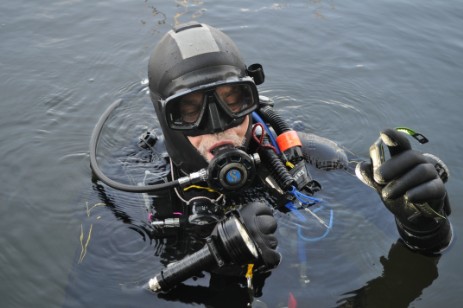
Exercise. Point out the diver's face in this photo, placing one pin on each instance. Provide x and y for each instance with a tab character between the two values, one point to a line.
235	136
232	98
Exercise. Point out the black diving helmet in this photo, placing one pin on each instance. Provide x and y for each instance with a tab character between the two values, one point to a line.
200	61
197	60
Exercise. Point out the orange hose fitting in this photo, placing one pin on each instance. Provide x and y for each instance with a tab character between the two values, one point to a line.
288	139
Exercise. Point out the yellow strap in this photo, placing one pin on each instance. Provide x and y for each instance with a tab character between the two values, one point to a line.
199	187
289	165
249	272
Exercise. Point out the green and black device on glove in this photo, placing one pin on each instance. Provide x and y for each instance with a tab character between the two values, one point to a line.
411	185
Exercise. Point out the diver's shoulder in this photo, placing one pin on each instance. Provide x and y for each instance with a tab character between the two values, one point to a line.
322	152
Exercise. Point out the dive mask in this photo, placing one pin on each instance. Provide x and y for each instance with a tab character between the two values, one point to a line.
211	108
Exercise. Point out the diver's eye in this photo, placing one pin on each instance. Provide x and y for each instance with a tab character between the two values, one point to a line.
190	107
232	96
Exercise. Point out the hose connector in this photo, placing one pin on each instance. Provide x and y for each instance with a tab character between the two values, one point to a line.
192	178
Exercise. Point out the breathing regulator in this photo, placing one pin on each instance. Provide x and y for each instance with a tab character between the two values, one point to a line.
231	169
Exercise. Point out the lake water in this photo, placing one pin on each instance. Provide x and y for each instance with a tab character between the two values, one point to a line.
340	69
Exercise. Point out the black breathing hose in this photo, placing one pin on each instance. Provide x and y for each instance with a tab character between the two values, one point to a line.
281	127
277	169
276	166
99	173
274	119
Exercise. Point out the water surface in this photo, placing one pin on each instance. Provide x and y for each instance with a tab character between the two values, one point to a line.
341	69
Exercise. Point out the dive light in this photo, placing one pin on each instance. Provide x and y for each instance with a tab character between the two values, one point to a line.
229	243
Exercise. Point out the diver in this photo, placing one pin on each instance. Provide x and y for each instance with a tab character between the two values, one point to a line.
234	161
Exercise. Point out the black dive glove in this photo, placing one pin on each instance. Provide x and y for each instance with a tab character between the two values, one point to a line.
261	225
411	186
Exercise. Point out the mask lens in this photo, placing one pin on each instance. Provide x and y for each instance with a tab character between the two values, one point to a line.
185	111
237	99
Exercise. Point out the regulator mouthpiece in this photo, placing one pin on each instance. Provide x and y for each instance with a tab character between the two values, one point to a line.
230	242
231	169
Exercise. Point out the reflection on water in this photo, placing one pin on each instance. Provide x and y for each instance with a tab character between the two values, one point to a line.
340	69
